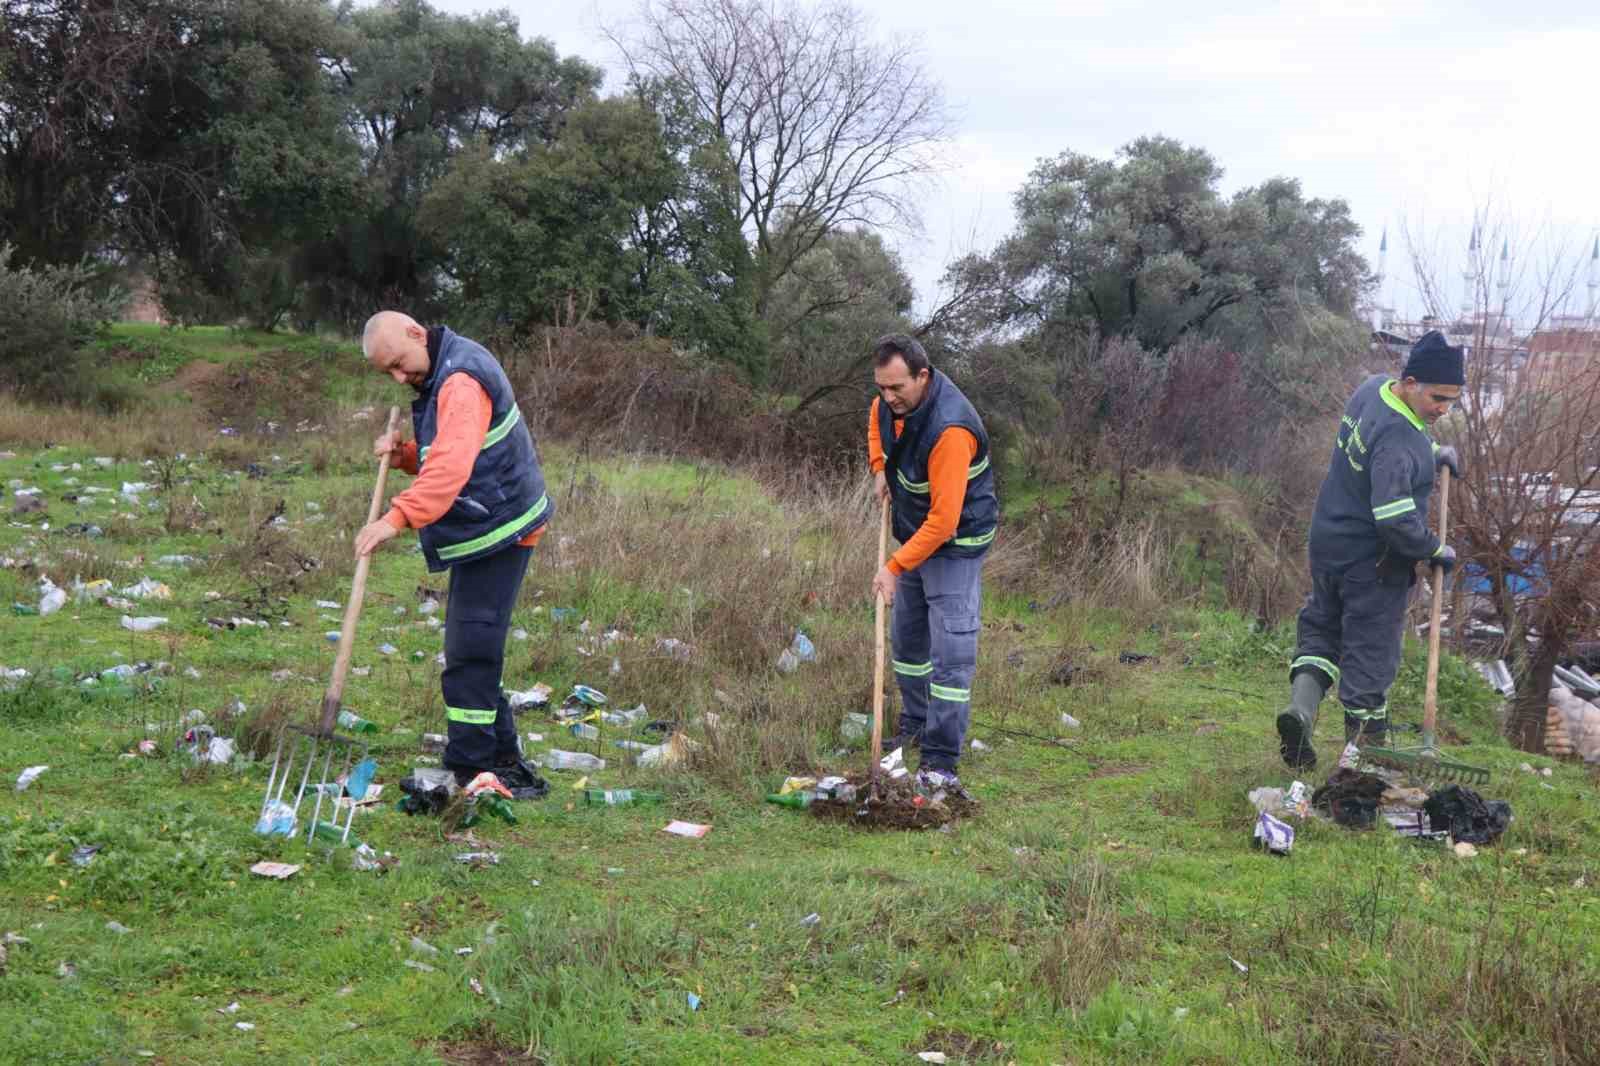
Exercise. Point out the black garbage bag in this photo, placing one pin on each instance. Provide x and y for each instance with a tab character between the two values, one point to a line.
427	791
1351	798
1467	816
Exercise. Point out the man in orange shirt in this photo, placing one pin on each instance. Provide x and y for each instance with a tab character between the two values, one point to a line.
931	460
479	506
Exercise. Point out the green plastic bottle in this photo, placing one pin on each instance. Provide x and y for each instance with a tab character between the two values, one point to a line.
355	723
798	800
23	609
331	833
620	797
497	805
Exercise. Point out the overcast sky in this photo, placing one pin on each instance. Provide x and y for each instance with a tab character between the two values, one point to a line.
1414	111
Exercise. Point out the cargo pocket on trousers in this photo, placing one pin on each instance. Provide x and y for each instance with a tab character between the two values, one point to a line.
468	632
961	641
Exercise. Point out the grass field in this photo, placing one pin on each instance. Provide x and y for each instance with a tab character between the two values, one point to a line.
1104	906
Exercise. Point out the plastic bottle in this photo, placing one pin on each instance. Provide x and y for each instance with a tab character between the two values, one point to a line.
332	834
572	760
497	805
355	723
584	731
620	797
797	800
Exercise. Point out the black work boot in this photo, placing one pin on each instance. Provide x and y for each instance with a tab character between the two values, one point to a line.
1299	720
1366	732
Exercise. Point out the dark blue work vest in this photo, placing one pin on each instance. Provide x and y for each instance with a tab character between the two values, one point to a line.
504	499
906	468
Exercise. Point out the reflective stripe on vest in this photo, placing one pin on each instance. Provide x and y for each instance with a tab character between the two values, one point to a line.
922	488
494	536
496	434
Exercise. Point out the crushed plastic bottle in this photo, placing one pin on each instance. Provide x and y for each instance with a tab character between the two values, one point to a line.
572	760
584	731
620	797
52	600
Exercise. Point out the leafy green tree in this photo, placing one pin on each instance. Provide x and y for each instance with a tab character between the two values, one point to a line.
1145	246
421	87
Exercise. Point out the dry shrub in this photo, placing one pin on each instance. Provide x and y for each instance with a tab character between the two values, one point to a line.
1058	559
1092	944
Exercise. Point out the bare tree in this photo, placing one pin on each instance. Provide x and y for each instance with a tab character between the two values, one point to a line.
1528	431
823	126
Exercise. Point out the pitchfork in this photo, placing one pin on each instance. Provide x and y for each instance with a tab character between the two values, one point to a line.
348	754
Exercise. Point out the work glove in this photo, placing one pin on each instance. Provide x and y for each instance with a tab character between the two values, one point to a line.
1448	456
1444	558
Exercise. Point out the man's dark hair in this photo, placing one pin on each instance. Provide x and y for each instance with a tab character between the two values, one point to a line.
906	347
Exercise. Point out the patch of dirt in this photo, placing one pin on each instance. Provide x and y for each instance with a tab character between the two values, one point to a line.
480	1053
192	379
958	1046
281	385
897	805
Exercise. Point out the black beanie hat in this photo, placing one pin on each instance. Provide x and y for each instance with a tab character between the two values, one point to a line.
1434	361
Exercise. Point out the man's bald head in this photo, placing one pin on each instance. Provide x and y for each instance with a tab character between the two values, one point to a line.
395	344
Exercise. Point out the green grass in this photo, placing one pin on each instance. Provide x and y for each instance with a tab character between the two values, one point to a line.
1088	914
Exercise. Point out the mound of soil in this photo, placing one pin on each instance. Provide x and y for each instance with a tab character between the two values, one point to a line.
896	805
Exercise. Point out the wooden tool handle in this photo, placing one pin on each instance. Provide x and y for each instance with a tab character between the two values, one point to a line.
878	654
352	609
1430	698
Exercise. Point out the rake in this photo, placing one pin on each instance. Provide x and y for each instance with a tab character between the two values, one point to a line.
300	746
1427	761
876	754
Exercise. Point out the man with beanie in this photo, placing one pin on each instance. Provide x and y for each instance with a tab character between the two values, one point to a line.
479	506
1367	535
930	454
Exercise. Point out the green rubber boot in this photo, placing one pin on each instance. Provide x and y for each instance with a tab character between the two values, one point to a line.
1299	720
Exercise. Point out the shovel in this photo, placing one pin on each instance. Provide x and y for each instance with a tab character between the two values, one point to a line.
1428	761
305	744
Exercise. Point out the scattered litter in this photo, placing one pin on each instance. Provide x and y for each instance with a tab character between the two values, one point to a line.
329	605
563	614
686	829
415	965
147	589
978	745
66	971
29	776
84	855
800	650
460	952
1351	798
1237	965
1405	797
434	743
675	648
537	696
811	920
1134	658
142	625
935	1057
519	634
1465	850
245	1027
895	760
672	752
420	946
387	649
176	560
855	726
1070	722
479	858
1274	835
331	636
232	1008
693	1001
572	760
364	858
118	928
427	607
796	784
52	600
1466	815
191	673
278	871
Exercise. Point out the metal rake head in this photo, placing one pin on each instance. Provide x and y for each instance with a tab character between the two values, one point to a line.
1426	764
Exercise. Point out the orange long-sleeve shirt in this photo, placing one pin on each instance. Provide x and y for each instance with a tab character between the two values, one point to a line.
948	463
464	413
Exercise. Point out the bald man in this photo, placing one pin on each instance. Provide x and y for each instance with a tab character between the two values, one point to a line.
479	506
